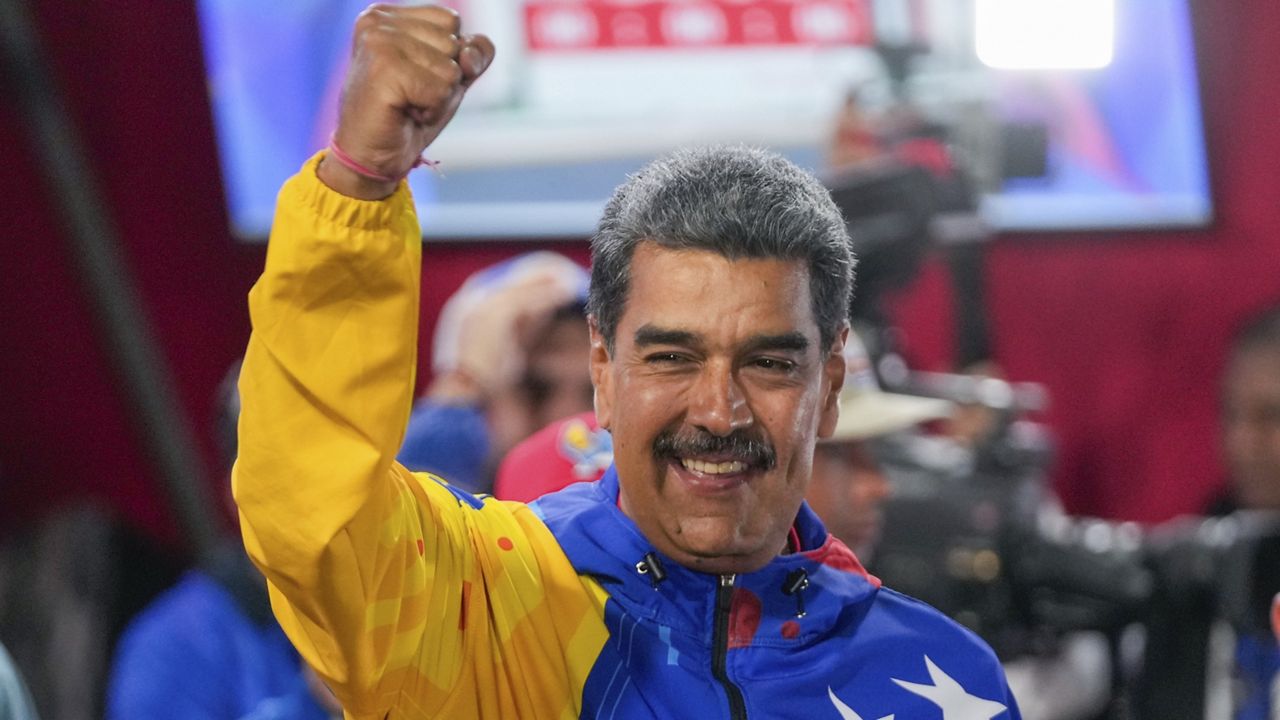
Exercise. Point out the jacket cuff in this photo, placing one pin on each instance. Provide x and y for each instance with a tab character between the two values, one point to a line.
330	206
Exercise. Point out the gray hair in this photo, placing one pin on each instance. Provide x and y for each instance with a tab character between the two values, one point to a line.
738	202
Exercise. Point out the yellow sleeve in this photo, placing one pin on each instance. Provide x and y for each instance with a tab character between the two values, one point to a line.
403	595
335	525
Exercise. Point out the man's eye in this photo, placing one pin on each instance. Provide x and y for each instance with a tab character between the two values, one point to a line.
664	358
774	364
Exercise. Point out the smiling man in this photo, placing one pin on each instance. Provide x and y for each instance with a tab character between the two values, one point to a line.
690	581
715	378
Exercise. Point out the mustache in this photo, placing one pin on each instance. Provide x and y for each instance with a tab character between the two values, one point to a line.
738	445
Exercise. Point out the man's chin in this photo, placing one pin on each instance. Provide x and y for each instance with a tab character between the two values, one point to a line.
718	557
724	564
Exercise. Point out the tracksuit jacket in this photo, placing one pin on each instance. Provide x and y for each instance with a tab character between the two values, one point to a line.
414	599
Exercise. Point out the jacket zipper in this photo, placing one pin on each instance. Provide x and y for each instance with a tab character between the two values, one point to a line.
720	648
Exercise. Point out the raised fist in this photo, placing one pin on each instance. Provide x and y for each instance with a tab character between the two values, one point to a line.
410	67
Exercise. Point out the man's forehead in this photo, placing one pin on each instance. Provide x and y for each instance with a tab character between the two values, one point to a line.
729	250
664	281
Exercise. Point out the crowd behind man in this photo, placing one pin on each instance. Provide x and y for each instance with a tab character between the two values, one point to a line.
508	357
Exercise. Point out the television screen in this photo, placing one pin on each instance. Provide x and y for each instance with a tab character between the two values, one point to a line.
583	92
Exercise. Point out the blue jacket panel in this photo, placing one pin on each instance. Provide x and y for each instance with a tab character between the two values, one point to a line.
842	647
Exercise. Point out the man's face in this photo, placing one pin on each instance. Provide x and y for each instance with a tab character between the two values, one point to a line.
1251	418
715	394
555	383
847	491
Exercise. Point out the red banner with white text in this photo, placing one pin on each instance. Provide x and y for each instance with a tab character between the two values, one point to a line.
559	25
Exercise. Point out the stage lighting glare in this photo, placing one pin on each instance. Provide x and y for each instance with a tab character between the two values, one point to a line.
1045	34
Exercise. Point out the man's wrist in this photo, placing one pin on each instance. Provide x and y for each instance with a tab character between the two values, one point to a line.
345	181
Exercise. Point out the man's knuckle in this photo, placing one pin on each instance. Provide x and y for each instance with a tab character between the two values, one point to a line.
371	17
379	54
452	45
453	72
448	19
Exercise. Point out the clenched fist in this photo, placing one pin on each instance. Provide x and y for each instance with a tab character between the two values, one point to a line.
410	67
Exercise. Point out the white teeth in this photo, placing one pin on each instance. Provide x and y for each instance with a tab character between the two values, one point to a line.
710	468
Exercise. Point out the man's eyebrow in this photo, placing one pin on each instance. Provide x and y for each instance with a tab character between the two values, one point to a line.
651	335
784	342
792	341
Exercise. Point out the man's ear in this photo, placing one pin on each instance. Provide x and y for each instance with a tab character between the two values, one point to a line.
833	372
601	377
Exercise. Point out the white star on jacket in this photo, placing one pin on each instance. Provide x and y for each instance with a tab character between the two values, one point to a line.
954	701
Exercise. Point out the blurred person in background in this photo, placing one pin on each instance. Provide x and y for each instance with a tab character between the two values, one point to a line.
855	138
15	700
209	648
509	356
1251	449
1251	416
849	484
574	449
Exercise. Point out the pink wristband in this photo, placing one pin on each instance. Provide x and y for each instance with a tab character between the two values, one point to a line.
356	167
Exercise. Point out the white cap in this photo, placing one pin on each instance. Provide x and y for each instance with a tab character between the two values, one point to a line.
483	284
866	411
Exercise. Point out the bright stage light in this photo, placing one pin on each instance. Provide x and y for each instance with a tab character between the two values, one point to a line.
1045	34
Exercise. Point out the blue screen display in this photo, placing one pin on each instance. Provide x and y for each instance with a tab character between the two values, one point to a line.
568	110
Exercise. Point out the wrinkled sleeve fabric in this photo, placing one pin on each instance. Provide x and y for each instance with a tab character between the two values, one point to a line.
346	537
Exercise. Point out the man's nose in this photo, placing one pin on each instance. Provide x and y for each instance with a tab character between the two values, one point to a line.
718	403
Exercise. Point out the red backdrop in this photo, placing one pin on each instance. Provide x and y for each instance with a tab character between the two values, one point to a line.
1126	330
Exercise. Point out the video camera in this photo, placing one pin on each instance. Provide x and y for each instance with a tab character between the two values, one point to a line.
975	533
973	530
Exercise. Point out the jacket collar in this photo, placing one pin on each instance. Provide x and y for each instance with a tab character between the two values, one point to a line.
604	543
